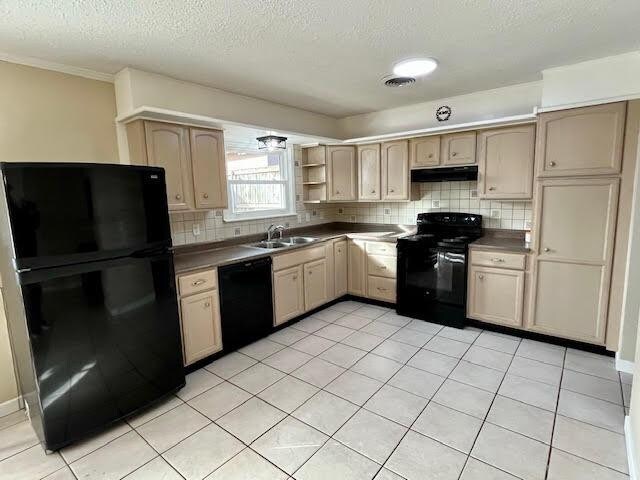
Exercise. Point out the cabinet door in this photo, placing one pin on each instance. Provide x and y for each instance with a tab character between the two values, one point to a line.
581	141
505	162
395	170
424	152
576	219
209	168
315	284
288	294
316	155
369	172
458	148
357	268
168	147
329	254
496	295
341	267
341	165
201	333
570	300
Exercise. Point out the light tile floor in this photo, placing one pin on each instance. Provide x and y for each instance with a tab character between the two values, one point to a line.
358	392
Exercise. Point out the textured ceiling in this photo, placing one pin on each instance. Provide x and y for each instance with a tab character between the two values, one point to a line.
326	56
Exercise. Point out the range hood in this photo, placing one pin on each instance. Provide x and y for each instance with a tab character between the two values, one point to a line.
445	174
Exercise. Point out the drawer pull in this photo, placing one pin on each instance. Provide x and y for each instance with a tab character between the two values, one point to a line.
383	267
381	289
198	282
497	259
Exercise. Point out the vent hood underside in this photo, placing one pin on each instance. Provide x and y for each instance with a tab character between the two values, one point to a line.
445	174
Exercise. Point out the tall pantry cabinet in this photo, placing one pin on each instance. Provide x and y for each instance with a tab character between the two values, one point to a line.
578	165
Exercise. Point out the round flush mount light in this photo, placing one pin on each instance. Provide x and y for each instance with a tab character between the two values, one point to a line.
415	67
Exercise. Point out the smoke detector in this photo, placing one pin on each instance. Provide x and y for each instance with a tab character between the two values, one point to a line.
395	81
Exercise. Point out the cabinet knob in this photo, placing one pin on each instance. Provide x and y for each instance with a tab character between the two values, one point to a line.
310	272
547	249
480	277
178	196
492	188
391	190
430	155
552	164
198	282
453	154
207	305
205	195
373	191
337	192
295	277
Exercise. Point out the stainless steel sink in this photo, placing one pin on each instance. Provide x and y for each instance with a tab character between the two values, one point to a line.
297	240
270	245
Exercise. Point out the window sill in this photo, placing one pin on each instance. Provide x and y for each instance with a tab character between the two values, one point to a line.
251	218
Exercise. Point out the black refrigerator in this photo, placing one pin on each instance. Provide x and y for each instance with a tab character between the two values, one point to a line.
90	295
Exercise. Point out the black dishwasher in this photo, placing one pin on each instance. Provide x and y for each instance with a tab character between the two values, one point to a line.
246	302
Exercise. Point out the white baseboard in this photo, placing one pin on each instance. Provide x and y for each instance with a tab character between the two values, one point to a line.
10	406
624	365
630	443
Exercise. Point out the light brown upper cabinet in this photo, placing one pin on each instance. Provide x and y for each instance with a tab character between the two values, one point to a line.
581	141
341	173
395	170
193	159
424	152
209	168
369	172
505	162
167	146
458	148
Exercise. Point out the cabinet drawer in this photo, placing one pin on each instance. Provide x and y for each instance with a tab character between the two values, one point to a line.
381	266
381	248
298	257
381	288
198	282
498	259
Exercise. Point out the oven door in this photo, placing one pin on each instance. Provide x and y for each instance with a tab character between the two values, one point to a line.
432	284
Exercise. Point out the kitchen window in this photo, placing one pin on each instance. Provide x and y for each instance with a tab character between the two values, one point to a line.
260	185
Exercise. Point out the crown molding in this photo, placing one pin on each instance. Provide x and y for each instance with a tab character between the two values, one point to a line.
57	67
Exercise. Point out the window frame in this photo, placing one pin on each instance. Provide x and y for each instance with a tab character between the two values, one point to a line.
289	182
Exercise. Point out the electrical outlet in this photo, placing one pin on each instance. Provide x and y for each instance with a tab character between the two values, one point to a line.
286	225
340	211
474	193
218	213
495	213
237	232
299	218
196	229
387	211
435	203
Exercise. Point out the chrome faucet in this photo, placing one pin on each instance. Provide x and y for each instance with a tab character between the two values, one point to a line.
273	229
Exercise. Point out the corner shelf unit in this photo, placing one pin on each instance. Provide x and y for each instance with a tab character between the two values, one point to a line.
314	174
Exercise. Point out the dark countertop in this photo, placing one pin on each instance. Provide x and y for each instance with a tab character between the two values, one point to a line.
502	240
209	255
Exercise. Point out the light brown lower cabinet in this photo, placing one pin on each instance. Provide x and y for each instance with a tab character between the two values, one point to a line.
340	262
201	331
570	300
357	268
496	295
288	293
315	284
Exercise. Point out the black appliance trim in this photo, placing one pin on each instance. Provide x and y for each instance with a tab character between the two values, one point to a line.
445	174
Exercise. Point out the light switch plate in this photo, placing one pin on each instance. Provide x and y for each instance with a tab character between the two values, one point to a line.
196	229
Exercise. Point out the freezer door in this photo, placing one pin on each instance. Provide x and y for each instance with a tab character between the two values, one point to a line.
62	214
105	341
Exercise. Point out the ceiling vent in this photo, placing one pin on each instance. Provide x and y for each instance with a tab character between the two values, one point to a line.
399	81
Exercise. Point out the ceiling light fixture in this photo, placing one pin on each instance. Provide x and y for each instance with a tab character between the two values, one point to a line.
271	143
415	67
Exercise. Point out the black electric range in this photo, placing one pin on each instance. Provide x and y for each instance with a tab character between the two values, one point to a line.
432	267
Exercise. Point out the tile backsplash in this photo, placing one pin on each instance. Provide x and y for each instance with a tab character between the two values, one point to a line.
426	197
441	197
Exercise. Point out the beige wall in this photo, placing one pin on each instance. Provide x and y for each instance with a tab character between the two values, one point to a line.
47	116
